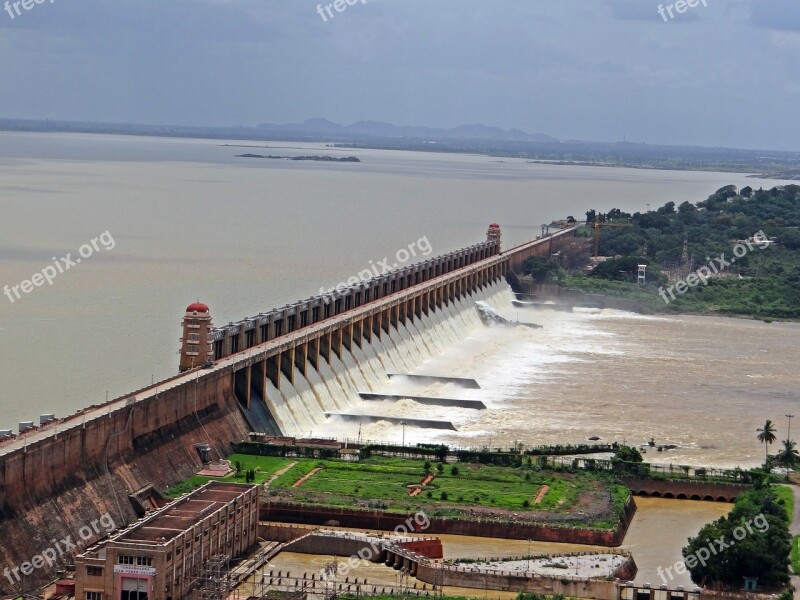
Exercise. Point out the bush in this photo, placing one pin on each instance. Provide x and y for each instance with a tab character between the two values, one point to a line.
443	496
525	504
454	471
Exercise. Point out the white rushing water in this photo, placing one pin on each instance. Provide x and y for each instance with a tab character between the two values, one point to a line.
300	408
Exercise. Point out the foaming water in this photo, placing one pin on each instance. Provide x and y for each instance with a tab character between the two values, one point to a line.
301	406
616	375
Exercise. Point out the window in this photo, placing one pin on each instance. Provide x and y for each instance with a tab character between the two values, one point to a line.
144	561
94	571
94	595
125	560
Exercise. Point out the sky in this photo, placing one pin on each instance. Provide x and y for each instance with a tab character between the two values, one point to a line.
721	73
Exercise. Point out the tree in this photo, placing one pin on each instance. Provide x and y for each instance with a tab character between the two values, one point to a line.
628	461
788	457
628	454
440	468
540	268
756	543
766	435
454	471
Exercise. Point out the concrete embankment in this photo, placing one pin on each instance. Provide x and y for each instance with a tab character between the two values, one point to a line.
380	520
47	497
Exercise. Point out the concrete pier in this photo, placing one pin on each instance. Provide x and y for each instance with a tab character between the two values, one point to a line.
459	402
422	423
459	381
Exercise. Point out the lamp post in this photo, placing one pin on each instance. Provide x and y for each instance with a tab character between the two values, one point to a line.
403	425
529	555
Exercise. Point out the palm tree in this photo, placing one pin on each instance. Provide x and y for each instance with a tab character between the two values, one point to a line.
766	436
789	456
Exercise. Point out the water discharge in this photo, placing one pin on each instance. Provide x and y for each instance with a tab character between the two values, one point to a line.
300	406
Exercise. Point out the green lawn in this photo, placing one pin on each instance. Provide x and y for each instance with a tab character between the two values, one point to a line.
265	466
379	482
784	492
796	554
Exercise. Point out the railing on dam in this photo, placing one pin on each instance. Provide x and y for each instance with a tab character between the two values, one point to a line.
237	337
265	327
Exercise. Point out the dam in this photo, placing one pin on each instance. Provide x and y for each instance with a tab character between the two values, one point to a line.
279	372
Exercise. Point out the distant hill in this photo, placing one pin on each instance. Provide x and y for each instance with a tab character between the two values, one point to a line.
472	139
380	129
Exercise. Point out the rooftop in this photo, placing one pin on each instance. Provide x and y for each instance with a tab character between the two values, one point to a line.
174	519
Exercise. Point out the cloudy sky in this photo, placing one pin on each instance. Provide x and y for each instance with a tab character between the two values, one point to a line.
725	74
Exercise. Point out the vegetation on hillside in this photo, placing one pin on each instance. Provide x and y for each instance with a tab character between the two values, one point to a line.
763	281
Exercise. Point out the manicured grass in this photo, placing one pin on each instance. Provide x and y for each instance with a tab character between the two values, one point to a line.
784	492
265	466
795	555
378	482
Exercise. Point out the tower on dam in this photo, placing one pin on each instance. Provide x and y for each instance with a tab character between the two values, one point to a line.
197	342
493	235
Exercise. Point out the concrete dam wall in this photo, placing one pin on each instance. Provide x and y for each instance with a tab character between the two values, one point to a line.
57	479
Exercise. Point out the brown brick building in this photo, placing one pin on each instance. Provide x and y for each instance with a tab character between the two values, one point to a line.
160	556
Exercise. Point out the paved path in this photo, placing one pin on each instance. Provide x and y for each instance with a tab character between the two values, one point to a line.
278	473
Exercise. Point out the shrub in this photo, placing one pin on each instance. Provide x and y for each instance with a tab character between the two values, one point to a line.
454	471
443	496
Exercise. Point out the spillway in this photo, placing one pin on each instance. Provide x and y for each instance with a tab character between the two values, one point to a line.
306	401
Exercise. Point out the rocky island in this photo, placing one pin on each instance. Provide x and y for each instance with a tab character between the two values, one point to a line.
349	159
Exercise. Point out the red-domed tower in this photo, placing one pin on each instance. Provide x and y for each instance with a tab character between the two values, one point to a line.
197	347
494	234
